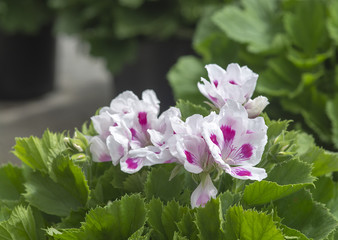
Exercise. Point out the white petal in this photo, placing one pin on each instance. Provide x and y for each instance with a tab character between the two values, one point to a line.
99	150
118	143
131	164
256	106
247	172
149	96
203	193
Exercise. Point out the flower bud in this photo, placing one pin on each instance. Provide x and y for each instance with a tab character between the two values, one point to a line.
256	106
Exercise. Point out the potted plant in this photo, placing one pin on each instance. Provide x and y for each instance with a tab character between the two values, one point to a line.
217	171
26	49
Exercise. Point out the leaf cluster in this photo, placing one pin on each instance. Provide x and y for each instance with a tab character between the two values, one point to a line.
292	44
59	193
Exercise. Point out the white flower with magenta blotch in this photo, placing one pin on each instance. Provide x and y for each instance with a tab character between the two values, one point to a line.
129	143
235	83
237	142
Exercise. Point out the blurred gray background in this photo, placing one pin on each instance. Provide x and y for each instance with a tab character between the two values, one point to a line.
82	85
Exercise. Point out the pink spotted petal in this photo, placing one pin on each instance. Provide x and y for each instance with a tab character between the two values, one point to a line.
247	172
203	193
131	164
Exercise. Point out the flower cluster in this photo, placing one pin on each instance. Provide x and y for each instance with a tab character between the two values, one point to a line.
133	134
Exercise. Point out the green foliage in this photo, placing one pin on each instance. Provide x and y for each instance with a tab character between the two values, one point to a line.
118	220
250	224
187	109
23	224
36	14
37	153
56	195
64	190
157	184
114	29
257	24
291	44
309	214
11	182
183	78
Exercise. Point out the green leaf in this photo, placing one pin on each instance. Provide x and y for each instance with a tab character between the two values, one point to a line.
283	180
184	76
135	183
64	191
311	105
118	220
293	171
332	21
11	182
24	223
158	184
281	78
177	236
250	225
211	42
36	152
326	192
108	185
258	24
164	219
187	109
262	192
305	26
322	161
228	199
300	212
138	235
171	215
155	209
332	112
290	233
187	227
209	220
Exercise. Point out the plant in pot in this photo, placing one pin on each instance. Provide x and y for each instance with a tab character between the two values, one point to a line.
139	39
291	43
220	171
26	49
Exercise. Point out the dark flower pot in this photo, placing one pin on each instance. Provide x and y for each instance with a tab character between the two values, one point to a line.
149	70
26	64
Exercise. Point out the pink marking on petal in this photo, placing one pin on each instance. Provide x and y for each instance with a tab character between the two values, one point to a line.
249	132
169	161
242	172
213	98
142	118
133	133
115	125
213	138
228	133
202	199
105	158
190	156
246	151
233	82
216	83
132	163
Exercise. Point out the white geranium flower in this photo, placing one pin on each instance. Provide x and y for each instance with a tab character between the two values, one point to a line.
235	83
237	142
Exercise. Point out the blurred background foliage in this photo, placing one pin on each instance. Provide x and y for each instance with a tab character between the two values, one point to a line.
291	44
